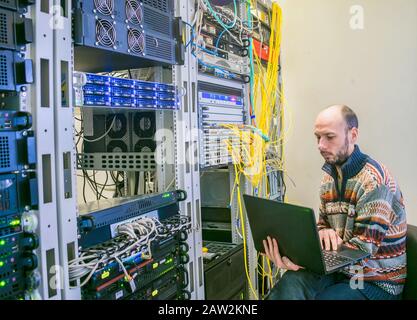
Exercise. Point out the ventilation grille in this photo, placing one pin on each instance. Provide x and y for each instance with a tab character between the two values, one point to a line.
134	13
8	4
4	82
105	33
158	4
4	32
136	41
157	22
4	152
105	7
144	161
159	48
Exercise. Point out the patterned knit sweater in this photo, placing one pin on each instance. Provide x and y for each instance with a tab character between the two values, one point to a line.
367	213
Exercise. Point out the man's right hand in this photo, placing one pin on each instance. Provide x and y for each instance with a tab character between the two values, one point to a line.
272	252
330	239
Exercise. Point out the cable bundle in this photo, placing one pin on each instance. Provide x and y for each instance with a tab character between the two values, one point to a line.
133	238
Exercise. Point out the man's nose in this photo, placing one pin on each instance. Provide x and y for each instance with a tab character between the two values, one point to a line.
321	145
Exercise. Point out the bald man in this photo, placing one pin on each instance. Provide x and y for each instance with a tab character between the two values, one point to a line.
361	207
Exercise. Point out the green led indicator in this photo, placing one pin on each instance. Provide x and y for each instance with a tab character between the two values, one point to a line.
166	195
2	284
15	223
2	242
1	264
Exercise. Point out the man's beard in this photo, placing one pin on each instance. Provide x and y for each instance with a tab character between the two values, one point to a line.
342	155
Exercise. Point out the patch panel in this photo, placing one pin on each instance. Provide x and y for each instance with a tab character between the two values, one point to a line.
96	218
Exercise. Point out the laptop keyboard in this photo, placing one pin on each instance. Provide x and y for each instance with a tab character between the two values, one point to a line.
332	259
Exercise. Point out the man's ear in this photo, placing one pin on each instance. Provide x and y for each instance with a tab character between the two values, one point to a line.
354	135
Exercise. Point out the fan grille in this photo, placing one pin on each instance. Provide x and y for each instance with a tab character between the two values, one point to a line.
134	13
106	33
105	7
136	41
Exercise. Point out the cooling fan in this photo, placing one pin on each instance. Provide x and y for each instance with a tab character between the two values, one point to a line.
105	33
135	41
119	128
116	146
145	146
144	124
118	132
134	12
105	7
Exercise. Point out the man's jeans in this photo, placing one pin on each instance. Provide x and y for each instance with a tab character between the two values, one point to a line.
305	285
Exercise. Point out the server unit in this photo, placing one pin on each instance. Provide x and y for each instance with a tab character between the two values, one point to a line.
224	271
218	106
18	196
124	34
129	144
16	5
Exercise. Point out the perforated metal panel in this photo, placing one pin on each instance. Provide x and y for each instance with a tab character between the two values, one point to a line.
163	5
6	70
10	4
3	71
4	30
157	21
144	161
4	152
159	48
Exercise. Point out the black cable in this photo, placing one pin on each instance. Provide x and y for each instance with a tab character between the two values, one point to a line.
136	182
85	200
104	186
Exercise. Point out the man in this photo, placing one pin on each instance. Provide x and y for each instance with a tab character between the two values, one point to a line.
361	207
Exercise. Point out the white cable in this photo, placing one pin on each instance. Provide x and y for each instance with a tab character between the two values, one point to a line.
105	134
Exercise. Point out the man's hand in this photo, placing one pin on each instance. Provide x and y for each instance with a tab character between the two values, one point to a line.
330	239
272	252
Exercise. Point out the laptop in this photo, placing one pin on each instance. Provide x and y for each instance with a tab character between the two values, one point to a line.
295	230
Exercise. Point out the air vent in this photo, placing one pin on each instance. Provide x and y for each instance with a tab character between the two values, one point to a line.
4	79
4	30
157	21
105	33
4	152
159	48
161	5
134	13
105	7
10	4
136	41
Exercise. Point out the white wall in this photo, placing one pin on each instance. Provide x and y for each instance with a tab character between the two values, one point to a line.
374	71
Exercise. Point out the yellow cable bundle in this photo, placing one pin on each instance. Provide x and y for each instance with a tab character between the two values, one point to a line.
250	157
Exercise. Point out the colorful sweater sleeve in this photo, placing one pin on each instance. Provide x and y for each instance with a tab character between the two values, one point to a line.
374	215
323	223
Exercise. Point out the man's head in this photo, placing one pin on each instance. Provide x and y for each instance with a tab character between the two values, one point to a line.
336	129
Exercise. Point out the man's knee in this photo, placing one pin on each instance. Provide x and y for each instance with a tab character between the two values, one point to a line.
293	285
294	278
